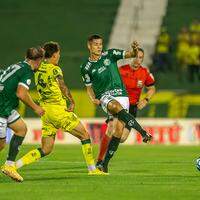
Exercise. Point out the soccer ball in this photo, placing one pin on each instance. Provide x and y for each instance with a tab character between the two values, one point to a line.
198	164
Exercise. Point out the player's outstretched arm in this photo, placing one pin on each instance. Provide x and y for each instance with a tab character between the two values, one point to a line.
23	94
133	53
66	92
91	94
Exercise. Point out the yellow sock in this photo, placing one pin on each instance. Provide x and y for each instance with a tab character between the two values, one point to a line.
88	154
30	157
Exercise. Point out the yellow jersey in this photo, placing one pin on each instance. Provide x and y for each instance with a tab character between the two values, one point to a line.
47	84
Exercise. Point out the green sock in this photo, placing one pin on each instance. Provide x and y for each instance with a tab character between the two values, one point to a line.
15	143
130	122
112	148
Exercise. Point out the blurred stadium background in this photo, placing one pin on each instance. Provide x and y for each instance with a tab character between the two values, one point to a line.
168	30
157	26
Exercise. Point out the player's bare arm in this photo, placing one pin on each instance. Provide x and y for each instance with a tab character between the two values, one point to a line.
66	92
23	94
133	53
150	92
91	94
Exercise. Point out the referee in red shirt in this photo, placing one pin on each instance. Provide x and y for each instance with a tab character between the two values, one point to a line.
135	77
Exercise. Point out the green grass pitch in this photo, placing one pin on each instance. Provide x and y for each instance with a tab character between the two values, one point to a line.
136	172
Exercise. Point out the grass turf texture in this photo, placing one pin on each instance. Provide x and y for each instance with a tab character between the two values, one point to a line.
136	172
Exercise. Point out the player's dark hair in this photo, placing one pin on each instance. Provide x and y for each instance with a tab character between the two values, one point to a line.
94	37
35	53
140	49
50	48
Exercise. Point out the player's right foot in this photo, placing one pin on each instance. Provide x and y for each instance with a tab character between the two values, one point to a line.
11	171
97	172
147	138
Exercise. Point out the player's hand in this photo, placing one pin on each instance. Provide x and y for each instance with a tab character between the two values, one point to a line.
71	107
141	104
96	102
135	47
39	111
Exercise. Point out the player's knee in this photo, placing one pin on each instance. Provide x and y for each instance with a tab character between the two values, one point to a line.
22	131
114	107
84	136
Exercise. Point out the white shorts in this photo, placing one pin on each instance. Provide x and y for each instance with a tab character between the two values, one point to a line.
4	122
124	101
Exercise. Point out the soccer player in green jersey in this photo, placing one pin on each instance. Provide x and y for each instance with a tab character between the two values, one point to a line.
105	88
14	86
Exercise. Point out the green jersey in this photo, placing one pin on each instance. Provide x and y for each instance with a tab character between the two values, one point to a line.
17	74
104	75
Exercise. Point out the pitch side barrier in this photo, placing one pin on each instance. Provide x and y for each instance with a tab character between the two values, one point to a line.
165	131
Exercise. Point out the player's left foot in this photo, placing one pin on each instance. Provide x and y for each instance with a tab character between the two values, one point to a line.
147	138
97	172
11	171
99	164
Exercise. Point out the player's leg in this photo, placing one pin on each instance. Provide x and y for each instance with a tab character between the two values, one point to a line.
80	132
104	142
3	127
116	109
126	132
2	143
113	144
35	154
20	129
48	139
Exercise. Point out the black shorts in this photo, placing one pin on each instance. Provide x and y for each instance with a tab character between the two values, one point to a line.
132	111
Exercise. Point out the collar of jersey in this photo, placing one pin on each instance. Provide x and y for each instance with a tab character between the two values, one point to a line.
94	60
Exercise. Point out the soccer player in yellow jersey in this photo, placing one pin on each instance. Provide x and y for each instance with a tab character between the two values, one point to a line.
53	95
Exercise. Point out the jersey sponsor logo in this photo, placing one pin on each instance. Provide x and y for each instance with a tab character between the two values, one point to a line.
101	69
9	72
28	82
115	92
139	84
106	62
117	53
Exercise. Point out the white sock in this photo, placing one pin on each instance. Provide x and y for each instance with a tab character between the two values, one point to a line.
9	162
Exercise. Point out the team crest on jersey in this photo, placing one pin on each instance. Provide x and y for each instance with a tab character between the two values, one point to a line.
139	84
106	62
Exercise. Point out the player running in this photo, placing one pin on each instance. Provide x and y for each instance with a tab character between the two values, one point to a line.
14	85
135	77
105	87
53	96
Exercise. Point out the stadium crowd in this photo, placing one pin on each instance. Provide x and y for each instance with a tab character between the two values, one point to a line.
187	52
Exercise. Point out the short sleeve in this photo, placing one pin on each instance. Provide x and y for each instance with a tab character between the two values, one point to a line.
57	72
25	78
85	76
149	80
117	54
